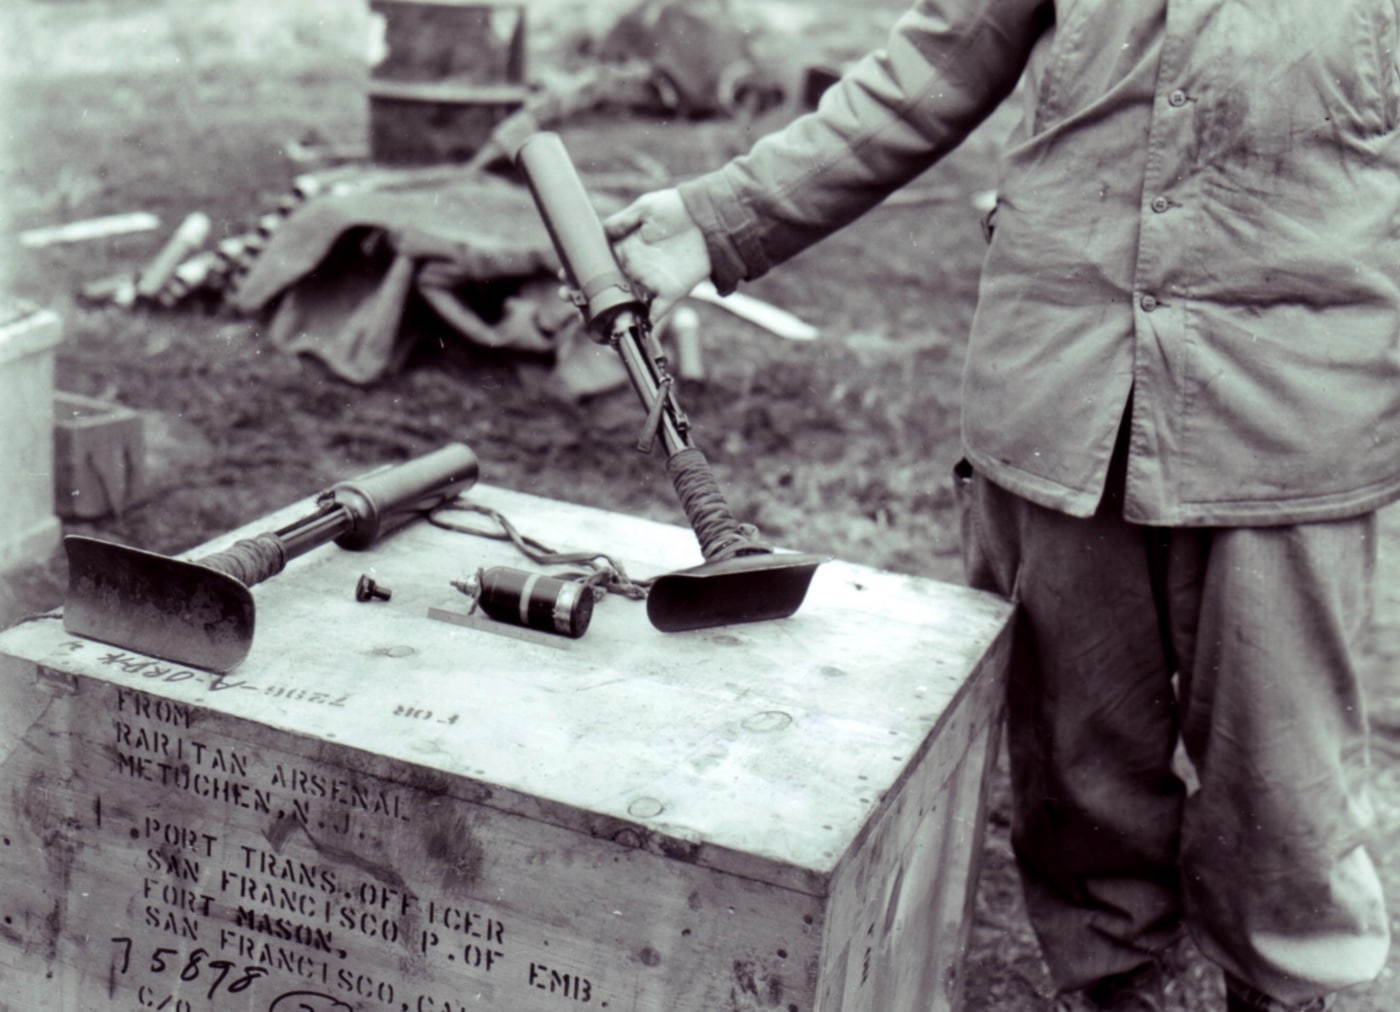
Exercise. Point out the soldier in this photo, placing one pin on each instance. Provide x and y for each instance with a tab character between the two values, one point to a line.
1180	413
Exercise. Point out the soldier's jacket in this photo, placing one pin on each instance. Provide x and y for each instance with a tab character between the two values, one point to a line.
1201	204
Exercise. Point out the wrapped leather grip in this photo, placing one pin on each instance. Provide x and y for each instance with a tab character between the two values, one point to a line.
385	500
574	227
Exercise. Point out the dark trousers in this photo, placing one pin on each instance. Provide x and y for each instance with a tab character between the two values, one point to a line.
1237	645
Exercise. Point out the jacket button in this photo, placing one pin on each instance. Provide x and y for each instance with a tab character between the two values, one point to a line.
1148	303
1160	204
1177	98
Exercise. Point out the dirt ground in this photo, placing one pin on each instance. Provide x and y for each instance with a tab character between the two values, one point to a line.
841	445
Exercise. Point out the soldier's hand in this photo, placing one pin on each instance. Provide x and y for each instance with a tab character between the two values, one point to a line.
660	248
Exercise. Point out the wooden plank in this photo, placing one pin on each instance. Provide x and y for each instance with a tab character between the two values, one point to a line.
899	915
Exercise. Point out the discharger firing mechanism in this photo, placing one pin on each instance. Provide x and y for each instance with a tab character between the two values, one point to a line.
742	579
201	612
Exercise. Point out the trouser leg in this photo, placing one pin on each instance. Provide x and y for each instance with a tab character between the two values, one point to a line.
1091	731
1278	886
1263	625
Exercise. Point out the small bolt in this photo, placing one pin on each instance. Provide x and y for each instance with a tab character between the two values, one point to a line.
368	590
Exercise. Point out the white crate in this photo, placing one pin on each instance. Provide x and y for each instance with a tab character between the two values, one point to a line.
28	528
407	815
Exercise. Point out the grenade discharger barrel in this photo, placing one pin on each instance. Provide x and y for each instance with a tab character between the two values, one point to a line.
202	613
743	580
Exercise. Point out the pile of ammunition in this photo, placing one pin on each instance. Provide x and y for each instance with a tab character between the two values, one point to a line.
185	268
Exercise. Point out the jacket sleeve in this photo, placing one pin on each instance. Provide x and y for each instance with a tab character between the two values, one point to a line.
946	67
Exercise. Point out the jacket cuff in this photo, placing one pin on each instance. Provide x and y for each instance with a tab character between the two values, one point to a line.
729	230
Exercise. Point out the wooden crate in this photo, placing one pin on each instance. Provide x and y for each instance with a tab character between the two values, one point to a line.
99	452
28	528
381	811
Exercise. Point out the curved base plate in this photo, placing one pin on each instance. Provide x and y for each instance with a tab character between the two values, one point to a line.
155	605
747	588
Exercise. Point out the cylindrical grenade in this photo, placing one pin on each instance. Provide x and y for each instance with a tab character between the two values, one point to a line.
536	601
187	238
